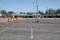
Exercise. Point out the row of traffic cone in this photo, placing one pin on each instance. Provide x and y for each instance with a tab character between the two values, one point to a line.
13	19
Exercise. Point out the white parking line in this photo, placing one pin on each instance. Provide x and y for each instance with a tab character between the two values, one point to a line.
3	30
31	32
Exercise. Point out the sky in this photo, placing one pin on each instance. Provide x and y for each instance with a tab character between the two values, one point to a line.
27	5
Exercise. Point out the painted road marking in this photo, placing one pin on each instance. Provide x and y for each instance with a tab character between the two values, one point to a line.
31	32
3	30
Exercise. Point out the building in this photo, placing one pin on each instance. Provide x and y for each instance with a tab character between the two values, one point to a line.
26	15
34	15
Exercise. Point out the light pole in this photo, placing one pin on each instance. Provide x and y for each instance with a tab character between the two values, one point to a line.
33	5
36	6
37	11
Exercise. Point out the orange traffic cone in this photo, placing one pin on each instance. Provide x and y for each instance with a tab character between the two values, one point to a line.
9	19
14	19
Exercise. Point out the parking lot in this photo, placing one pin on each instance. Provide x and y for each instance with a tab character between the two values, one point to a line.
29	29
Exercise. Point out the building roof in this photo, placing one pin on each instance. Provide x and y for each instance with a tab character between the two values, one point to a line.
34	14
26	14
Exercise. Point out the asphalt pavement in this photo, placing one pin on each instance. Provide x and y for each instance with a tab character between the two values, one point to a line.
29	29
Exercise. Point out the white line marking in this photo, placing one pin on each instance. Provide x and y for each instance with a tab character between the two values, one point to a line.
3	30
31	33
